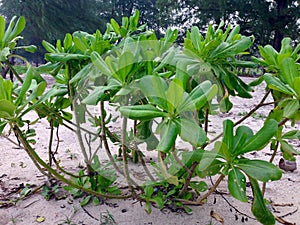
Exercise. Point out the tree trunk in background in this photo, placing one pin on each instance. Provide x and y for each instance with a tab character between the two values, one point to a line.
281	21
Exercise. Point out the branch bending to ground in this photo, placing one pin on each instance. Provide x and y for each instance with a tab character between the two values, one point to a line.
260	104
37	160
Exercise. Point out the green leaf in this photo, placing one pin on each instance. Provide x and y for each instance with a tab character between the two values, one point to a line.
296	86
159	201
237	184
199	186
259	169
7	109
288	150
68	42
83	73
126	63
4	53
236	47
64	57
289	71
2	126
25	86
134	20
141	112
232	33
199	96
269	54
6	87
261	138
259	209
228	136
19	27
196	38
168	136
49	47
275	84
293	134
209	166
100	64
291	108
2	28
37	91
99	94
174	95
148	207
243	134
80	43
85	201
115	26
154	88
191	132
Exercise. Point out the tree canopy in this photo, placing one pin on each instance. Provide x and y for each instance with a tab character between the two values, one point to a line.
268	20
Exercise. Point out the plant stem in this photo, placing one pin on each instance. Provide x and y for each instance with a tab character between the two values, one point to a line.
104	139
80	140
188	179
124	154
212	189
14	71
50	145
21	137
206	121
37	160
260	104
205	196
271	160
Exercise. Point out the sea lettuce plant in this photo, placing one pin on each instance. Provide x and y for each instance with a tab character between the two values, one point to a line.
162	93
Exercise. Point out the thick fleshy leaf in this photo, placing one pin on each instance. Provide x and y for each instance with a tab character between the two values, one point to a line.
191	132
141	112
145	133
174	95
275	84
25	86
168	136
260	170
29	48
64	57
288	149
154	88
261	138
126	62
7	109
236	47
68	42
6	87
237	184
2	27
243	134
98	94
19	27
289	71
259	209
228	136
291	108
100	64
2	126
293	134
199	96
83	73
37	90
296	86
268	53
213	166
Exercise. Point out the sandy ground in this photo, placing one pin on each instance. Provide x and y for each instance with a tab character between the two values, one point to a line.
17	171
